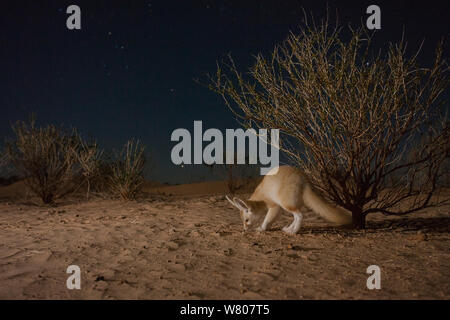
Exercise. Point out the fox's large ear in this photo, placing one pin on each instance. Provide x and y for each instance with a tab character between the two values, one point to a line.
240	203
232	202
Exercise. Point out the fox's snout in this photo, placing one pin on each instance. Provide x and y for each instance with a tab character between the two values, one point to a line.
247	224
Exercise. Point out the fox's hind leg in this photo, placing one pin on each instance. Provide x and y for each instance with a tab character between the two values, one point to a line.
270	217
296	223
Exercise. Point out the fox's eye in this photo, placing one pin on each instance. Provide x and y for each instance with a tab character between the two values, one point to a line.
246	220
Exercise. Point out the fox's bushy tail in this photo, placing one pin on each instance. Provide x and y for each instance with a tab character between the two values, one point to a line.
316	203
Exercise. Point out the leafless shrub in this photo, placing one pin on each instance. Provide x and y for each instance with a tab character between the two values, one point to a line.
3	159
89	158
352	120
45	157
128	171
236	176
6	177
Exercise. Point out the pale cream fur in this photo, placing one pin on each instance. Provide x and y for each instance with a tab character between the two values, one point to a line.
288	189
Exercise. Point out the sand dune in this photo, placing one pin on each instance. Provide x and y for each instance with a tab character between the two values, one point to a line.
188	246
16	190
200	188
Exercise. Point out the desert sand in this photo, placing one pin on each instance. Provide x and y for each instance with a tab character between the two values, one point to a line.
187	242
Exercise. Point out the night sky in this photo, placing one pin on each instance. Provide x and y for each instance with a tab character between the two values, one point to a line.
129	71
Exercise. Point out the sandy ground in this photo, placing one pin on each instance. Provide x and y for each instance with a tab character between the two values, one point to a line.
193	247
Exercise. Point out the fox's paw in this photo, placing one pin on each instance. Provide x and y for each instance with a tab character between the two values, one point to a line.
289	230
260	229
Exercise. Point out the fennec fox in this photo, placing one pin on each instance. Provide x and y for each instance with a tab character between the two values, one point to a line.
287	189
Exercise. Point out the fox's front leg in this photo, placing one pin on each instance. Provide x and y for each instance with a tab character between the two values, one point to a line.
270	217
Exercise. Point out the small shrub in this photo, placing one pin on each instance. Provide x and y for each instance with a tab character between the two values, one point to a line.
45	157
236	176
127	174
89	158
3	159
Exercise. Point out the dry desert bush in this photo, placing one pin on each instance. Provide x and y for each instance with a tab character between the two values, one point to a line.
56	162
236	176
46	157
355	121
3	159
127	175
89	158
